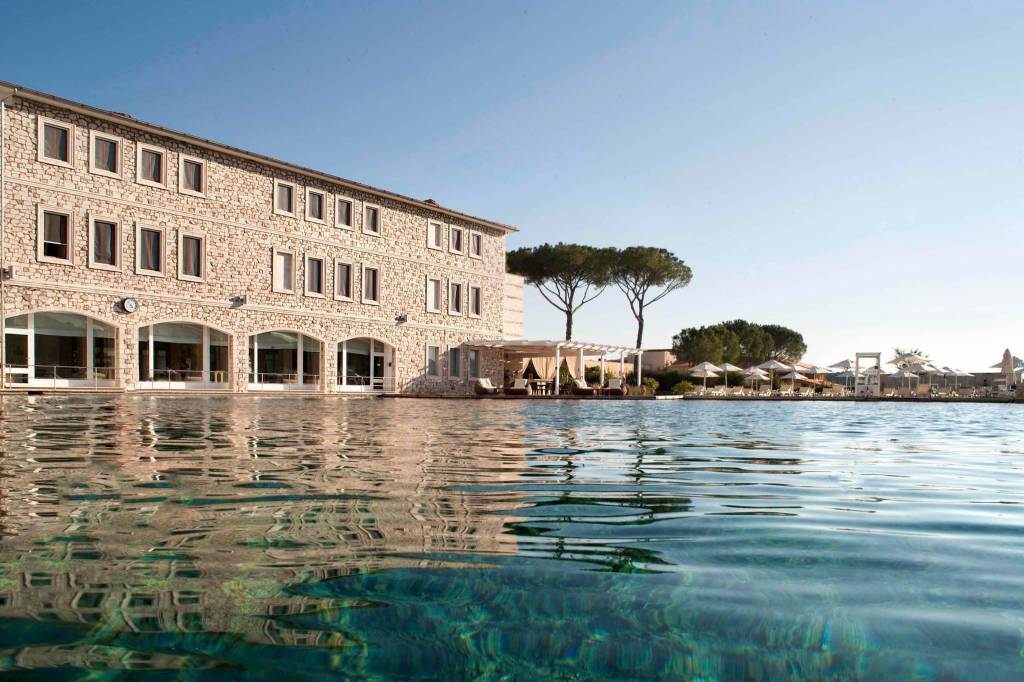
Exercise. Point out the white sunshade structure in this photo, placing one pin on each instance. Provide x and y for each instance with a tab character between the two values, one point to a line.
727	367
704	373
795	377
522	349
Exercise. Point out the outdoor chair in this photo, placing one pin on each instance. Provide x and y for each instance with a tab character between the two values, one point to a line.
826	392
579	387
736	391
519	387
615	387
483	386
764	392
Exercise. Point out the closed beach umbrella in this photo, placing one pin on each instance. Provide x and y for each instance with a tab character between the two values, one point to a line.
726	367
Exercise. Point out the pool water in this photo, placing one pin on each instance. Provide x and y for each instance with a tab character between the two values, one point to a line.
291	538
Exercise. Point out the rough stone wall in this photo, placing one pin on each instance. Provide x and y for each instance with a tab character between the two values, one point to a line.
241	231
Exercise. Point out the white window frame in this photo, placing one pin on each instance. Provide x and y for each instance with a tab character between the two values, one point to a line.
473	236
139	227
469	301
182	158
40	234
41	123
323	276
323	205
141	147
362	284
448	361
93	219
380	219
435	227
351	280
96	170
351	213
273	272
426	360
182	234
295	198
462	293
451	240
439	308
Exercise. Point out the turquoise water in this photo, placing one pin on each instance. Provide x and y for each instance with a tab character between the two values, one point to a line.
286	538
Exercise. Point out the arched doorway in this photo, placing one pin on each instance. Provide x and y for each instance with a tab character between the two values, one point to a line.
365	364
59	350
284	361
183	355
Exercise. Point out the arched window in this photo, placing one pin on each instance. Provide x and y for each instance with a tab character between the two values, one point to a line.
183	355
59	349
283	360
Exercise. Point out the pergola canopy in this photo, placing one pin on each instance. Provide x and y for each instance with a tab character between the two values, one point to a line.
529	348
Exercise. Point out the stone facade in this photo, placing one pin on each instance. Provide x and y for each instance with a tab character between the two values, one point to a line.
241	230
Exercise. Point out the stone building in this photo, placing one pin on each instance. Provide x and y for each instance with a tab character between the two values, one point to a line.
140	258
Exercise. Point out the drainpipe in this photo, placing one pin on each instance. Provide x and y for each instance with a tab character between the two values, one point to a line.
5	94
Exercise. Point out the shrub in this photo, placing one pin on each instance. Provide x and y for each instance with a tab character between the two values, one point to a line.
682	387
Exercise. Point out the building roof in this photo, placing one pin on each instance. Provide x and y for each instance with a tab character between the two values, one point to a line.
7	89
539	348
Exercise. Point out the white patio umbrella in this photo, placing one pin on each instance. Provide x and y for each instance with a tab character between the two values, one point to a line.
908	358
773	366
755	375
922	368
726	367
843	364
795	377
960	373
704	373
704	366
908	375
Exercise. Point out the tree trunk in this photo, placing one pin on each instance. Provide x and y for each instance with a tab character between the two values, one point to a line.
568	325
639	341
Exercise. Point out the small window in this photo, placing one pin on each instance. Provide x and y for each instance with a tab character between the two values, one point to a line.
343	281
104	244
371	285
192	176
316	205
104	154
454	363
435	235
455	298
55	236
56	142
455	244
371	219
343	211
473	363
150	251
191	257
476	245
284	272
314	276
434	293
476	302
433	361
151	166
284	198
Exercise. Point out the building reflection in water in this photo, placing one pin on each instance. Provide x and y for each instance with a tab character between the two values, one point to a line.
194	514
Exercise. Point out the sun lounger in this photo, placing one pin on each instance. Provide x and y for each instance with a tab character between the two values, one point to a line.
615	387
519	387
484	386
579	387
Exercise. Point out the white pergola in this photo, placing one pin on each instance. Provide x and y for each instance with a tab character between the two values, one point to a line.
521	348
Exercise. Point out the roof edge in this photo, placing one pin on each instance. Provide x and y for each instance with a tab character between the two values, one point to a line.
122	119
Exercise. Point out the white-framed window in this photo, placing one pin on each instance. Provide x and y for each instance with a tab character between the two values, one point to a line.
344	212
150	250
104	243
435	295
191	256
454	363
371	219
191	176
343	280
55	237
476	301
435	235
284	198
456	240
433	361
476	245
314	276
316	206
105	154
151	165
284	272
371	285
473	363
56	142
455	303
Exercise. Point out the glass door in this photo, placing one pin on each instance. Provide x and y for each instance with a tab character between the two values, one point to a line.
377	375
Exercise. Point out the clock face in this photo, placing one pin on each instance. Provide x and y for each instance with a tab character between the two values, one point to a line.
130	305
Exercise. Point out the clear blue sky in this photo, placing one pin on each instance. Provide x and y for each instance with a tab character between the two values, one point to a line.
852	170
